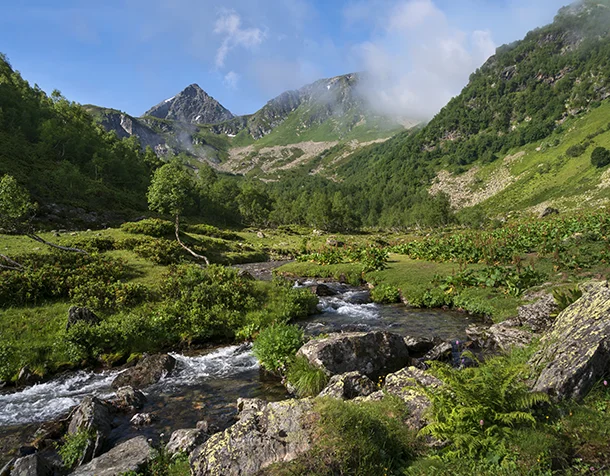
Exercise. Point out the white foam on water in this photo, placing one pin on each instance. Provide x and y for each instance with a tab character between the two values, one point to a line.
52	399
339	306
55	398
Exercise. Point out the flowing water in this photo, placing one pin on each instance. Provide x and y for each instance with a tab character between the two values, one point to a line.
207	386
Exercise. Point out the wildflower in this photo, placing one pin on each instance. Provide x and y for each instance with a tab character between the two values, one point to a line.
605	383
481	422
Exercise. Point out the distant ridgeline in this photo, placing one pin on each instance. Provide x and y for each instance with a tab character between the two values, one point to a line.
540	102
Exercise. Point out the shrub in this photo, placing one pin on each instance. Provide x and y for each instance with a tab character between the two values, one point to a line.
276	345
600	157
212	231
109	296
160	251
91	244
307	379
576	150
150	226
385	294
73	446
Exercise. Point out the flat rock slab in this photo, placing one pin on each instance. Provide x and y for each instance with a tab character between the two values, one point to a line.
371	353
131	455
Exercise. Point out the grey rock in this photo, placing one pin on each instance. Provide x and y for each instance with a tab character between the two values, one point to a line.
148	371
81	314
537	316
279	432
348	385
372	354
26	377
419	346
127	398
548	211
32	465
6	469
323	290
131	455
143	419
440	352
575	353
185	441
499	337
91	415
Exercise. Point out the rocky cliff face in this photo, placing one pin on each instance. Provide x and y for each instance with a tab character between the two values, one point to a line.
193	105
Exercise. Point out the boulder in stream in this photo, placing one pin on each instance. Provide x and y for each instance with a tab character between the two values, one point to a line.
265	434
372	354
130	456
348	385
128	399
92	416
148	371
323	290
32	465
575	353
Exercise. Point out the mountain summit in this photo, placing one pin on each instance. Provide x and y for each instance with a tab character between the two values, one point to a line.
193	105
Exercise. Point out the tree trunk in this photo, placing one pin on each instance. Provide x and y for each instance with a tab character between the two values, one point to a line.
53	245
207	262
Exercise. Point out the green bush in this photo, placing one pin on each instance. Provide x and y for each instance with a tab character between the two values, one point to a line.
363	439
8	364
385	294
150	226
600	157
73	446
307	379
109	296
276	345
160	251
212	231
91	244
576	150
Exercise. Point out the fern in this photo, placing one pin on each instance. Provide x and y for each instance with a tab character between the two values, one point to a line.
477	408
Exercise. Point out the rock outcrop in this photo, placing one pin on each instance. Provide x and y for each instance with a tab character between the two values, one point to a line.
92	416
575	353
149	370
372	354
129	456
266	433
32	465
404	384
81	314
349	385
499	337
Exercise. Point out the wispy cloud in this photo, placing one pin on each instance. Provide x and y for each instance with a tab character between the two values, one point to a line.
419	59
231	80
229	27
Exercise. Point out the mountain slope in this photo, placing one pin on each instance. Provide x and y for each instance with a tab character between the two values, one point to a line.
526	92
192	106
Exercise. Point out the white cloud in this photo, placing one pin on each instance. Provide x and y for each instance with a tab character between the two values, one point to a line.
229	26
419	61
231	80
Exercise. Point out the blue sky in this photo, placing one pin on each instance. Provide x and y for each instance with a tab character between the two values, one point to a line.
132	54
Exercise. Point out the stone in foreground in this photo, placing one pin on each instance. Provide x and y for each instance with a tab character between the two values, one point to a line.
129	456
31	465
372	354
575	353
92	415
278	432
349	385
185	441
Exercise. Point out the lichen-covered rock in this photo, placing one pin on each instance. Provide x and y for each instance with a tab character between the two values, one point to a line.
91	415
575	353
404	384
372	354
32	465
419	346
499	337
537	316
129	456
349	385
279	432
441	352
149	370
185	441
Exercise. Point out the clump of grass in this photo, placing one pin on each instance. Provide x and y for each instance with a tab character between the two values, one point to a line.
307	379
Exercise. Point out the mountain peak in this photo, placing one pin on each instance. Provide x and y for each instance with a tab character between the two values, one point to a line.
192	105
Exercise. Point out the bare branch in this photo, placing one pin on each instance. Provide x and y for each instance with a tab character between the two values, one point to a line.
207	262
53	245
13	264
